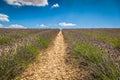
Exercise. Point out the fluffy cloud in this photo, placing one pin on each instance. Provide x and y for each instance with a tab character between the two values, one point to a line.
16	26
28	2
55	5
42	25
1	25
64	24
4	18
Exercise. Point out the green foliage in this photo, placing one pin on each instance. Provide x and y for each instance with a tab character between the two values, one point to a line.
43	42
96	35
27	53
102	66
11	66
102	36
13	63
88	33
88	52
5	40
115	42
9	38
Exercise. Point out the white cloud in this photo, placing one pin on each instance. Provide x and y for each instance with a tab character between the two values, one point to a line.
55	5
1	25
4	18
42	25
66	24
27	2
16	26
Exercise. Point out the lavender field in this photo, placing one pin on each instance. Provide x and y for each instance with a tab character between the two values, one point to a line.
68	54
97	51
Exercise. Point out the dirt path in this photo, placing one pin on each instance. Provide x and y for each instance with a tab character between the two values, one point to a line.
52	65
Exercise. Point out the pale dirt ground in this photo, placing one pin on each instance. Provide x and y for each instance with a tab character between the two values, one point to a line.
52	65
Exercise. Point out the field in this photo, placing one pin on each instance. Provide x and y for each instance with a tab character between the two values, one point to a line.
53	54
19	48
95	50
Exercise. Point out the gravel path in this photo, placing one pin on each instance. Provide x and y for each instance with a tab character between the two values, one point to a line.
52	65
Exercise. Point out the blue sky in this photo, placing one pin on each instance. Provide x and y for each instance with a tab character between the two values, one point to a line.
60	13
